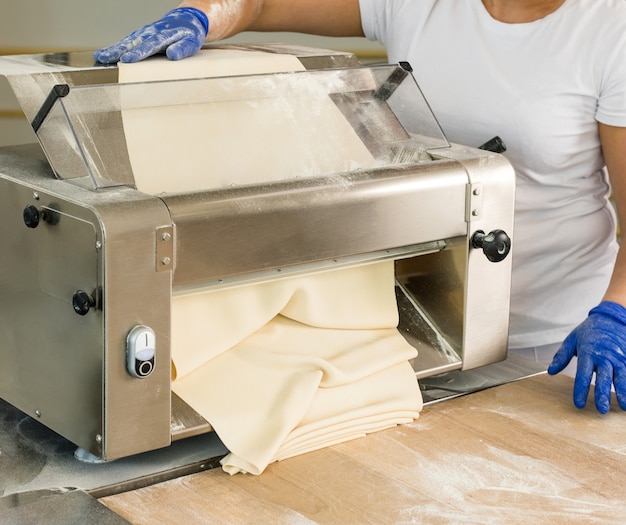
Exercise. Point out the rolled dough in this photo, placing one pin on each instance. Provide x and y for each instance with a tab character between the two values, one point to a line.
244	132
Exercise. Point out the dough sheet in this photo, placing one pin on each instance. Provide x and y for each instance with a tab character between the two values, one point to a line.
243	133
287	366
362	297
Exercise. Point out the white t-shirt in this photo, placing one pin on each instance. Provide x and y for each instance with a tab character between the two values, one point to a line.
542	87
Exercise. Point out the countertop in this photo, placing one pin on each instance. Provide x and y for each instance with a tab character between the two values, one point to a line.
515	453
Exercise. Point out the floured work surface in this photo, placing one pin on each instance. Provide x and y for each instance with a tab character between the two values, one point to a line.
283	367
36	462
517	453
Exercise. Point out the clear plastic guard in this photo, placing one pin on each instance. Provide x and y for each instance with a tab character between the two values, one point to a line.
86	134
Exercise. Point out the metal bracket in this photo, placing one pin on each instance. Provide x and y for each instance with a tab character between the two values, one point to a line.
165	248
474	200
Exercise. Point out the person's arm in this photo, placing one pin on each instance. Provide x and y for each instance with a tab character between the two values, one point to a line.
318	17
614	150
599	342
182	31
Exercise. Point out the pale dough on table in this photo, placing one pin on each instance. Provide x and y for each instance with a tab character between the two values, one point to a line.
287	366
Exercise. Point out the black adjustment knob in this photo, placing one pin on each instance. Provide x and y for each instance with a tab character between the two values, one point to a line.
82	302
496	245
31	216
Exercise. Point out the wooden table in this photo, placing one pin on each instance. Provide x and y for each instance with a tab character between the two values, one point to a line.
517	453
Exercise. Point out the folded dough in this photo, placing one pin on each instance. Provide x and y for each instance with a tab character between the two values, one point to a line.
274	385
290	388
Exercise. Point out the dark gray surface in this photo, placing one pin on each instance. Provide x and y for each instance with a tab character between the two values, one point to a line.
33	458
459	383
56	508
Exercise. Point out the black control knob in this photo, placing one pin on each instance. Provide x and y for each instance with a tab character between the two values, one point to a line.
496	245
82	302
31	216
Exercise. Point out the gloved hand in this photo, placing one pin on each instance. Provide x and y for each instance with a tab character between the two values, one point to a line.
600	344
180	33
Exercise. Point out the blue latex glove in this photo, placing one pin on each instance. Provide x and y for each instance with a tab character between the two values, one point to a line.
600	344
180	33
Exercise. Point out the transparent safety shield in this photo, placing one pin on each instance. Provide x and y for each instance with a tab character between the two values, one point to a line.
231	131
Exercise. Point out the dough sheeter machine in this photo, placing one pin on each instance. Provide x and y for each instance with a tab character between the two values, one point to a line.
89	264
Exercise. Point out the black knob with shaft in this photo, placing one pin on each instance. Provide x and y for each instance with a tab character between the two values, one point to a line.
33	216
496	245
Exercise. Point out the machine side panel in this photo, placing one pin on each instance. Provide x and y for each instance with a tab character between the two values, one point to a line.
67	370
491	206
136	293
51	358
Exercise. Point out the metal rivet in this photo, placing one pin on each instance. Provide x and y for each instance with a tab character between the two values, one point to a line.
166	261
38	413
98	245
475	213
166	237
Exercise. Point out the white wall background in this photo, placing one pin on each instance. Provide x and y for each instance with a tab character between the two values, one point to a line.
35	26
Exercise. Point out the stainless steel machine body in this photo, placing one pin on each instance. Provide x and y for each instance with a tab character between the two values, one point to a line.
90	264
